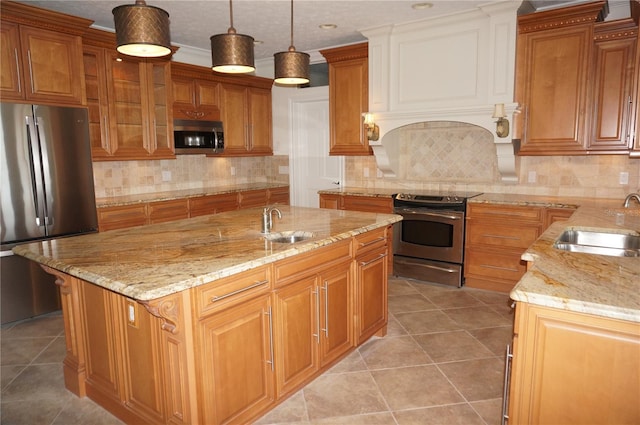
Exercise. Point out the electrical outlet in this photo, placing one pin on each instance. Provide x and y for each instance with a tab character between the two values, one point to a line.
233	171
380	174
533	176
283	169
365	171
624	177
166	176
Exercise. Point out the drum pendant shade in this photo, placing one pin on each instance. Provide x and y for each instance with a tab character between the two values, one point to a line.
291	67
231	52
142	30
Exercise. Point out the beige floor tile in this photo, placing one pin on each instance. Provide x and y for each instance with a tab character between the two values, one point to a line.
352	363
37	382
415	387
489	410
452	346
22	350
490	297
292	410
8	374
409	302
394	328
41	326
479	379
455	414
385	418
390	352
400	287
53	353
476	317
428	288
24	412
448	299
426	322
83	411
343	395
495	339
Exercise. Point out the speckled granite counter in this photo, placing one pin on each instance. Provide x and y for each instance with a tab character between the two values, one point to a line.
149	262
181	194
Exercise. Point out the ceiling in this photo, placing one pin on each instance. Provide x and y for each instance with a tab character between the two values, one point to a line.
268	21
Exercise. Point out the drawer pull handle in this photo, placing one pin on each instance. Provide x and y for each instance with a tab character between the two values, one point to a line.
365	264
488	266
221	297
371	242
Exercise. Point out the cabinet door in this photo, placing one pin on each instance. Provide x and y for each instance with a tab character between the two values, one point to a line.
553	78
279	195
253	198
371	294
52	66
237	363
122	216
260	122
336	326
348	100
103	141
158	111
142	369
332	202
235	117
11	84
368	203
160	212
573	368
612	105
297	333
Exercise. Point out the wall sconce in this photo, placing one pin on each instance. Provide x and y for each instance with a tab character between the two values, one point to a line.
373	131
502	125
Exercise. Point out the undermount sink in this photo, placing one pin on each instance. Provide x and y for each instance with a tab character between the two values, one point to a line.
289	237
599	243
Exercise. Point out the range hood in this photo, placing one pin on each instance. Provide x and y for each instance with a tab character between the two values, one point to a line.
451	68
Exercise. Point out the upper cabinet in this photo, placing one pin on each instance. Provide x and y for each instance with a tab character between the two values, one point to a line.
635	152
348	99
242	103
41	55
129	102
575	77
194	98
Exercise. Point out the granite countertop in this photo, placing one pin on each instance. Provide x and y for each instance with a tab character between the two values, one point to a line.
593	284
182	194
149	262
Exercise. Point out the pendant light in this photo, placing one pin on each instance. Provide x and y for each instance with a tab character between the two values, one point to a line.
142	30
232	53
291	67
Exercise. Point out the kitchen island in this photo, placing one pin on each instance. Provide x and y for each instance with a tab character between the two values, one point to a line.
207	320
576	344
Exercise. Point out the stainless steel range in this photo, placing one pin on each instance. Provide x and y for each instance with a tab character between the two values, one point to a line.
429	241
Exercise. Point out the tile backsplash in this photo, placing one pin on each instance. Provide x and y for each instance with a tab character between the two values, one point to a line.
115	178
458	156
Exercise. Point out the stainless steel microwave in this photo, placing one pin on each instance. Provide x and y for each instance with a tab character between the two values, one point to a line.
198	137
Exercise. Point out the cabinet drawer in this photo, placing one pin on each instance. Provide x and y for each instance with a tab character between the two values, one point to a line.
279	195
213	204
504	212
228	291
501	236
374	239
160	212
368	203
305	264
253	198
494	265
120	217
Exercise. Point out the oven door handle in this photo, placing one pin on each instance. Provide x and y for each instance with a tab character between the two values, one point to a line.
429	266
428	213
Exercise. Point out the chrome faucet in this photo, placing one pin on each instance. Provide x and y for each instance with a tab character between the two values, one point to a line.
631	196
267	221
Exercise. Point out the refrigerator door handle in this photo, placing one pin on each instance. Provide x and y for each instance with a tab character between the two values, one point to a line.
42	140
35	165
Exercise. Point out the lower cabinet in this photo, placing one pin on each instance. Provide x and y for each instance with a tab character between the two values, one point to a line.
228	351
573	368
237	362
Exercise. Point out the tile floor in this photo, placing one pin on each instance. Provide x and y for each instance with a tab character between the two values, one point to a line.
440	363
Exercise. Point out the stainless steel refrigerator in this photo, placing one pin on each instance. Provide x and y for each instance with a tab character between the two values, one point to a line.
46	191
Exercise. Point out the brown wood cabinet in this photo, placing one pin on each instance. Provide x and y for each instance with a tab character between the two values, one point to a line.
313	314
246	114
378	204
615	76
129	102
348	99
497	236
372	252
571	367
123	216
635	151
195	99
41	55
553	73
228	351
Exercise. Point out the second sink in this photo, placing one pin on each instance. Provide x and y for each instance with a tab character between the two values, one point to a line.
599	243
289	237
